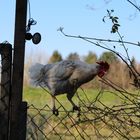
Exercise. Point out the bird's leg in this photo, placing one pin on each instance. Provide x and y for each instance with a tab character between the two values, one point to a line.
75	107
54	110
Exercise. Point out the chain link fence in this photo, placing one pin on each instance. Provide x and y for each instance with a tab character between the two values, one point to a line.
97	119
5	88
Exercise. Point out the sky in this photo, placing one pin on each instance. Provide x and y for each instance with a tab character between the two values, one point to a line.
77	17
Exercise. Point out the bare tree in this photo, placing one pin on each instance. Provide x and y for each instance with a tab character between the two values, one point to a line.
122	119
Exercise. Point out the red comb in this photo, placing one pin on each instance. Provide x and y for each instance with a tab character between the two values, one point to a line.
104	64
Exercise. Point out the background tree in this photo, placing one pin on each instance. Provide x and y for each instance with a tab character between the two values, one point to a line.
91	57
133	61
73	56
110	57
56	57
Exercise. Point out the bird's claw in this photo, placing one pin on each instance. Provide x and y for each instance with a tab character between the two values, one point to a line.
55	112
76	108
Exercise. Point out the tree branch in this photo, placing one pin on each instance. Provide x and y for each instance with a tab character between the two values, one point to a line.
138	8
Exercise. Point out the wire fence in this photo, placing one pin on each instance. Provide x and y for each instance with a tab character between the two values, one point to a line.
96	120
5	88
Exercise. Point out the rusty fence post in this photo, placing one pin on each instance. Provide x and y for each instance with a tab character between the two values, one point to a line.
5	89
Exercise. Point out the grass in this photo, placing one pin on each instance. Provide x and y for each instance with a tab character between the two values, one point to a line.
39	97
50	124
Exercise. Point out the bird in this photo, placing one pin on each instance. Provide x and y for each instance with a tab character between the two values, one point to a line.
65	77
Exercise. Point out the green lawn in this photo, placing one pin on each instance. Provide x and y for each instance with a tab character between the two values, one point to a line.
39	97
42	123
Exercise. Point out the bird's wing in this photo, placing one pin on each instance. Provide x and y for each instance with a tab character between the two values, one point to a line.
47	67
63	70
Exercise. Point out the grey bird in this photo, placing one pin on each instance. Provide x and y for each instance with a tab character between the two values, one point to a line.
65	77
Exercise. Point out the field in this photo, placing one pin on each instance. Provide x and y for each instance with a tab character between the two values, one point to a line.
104	115
39	97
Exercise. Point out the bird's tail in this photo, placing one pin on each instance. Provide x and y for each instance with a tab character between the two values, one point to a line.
35	73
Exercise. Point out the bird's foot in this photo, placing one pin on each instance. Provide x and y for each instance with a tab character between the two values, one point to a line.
76	108
55	111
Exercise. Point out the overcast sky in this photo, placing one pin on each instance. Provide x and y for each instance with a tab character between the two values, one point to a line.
78	17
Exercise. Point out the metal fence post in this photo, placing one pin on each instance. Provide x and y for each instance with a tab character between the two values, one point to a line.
22	121
5	89
18	68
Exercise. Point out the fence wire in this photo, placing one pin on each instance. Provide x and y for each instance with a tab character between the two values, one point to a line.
97	119
5	88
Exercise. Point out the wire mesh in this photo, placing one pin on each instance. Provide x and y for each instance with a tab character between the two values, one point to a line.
96	120
5	86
